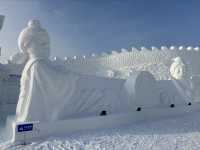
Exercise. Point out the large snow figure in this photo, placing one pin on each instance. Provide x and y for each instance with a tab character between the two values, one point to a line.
50	93
178	69
182	82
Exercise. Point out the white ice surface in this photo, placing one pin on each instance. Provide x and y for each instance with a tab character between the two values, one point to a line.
178	133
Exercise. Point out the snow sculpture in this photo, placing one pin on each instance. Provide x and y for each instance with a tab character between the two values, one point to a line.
180	79
177	69
49	93
34	40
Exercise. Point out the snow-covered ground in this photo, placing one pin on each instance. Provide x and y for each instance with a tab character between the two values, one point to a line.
178	133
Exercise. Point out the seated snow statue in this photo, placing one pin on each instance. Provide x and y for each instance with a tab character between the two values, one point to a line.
49	93
178	69
182	82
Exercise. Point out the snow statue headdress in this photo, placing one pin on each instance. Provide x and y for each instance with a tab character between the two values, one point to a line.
34	40
178	68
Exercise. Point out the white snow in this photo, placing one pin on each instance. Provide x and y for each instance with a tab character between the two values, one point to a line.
172	133
178	133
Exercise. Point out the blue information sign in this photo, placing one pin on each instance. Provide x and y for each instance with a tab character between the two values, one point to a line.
25	127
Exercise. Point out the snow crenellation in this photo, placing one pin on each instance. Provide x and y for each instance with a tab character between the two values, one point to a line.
152	60
143	57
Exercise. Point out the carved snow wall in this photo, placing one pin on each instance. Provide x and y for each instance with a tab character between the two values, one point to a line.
115	65
157	61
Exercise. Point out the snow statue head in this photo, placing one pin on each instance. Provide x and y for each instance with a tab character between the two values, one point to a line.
34	40
178	69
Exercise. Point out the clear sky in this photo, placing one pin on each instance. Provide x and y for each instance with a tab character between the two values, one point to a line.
79	27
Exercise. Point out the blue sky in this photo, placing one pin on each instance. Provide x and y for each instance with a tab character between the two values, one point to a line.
79	27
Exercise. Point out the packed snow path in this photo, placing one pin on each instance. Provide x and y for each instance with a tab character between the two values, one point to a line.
178	133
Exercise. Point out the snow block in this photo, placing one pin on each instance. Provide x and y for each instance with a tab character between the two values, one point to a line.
142	90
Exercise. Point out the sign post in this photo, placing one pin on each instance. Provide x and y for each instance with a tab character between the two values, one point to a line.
23	128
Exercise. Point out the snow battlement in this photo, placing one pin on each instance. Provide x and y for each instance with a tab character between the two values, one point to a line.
125	61
142	59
